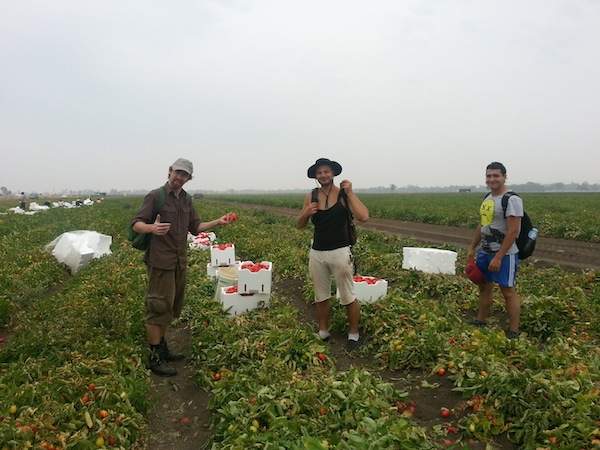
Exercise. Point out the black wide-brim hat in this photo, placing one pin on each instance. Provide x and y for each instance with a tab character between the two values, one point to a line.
335	166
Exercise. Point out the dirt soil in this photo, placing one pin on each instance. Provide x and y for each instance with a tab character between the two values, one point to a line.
549	251
179	417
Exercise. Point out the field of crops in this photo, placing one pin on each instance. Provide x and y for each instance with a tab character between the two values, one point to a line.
72	372
568	216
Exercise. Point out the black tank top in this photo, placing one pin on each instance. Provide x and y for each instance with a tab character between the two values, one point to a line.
331	228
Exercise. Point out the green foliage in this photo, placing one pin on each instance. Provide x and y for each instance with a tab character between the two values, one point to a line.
567	216
277	384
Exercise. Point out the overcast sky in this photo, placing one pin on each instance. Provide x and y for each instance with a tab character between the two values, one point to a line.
108	94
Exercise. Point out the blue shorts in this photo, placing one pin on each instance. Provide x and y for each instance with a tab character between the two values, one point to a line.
506	276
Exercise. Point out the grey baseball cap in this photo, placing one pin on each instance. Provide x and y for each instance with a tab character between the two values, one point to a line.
183	164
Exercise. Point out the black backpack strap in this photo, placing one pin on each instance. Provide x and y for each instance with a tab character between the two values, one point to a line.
505	198
314	195
159	202
344	197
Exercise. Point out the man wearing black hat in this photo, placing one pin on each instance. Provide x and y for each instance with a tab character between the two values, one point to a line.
330	254
168	214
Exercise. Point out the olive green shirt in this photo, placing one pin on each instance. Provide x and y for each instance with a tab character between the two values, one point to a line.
170	250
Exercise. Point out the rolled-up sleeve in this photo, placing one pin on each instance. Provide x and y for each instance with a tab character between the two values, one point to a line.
146	211
194	221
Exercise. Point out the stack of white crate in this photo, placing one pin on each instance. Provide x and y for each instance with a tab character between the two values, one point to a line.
253	289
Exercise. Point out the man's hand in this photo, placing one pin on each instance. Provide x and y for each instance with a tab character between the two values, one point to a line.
158	228
310	210
495	264
224	220
346	185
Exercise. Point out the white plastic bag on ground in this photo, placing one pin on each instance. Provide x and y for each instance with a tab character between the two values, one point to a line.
88	202
77	248
17	210
33	206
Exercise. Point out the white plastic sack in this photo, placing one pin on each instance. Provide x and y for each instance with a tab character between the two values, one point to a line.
17	210
77	248
88	202
33	206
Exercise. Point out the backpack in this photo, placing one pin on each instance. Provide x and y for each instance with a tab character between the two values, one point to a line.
142	241
527	237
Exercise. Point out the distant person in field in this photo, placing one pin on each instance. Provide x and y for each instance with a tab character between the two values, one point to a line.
330	254
22	200
166	258
495	250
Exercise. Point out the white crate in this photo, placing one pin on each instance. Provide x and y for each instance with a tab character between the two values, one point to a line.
260	281
236	303
369	289
430	260
222	255
211	271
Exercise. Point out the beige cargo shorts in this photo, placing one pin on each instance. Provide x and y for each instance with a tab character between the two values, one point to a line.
323	264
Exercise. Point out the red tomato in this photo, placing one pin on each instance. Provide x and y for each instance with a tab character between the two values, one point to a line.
445	412
451	430
185	420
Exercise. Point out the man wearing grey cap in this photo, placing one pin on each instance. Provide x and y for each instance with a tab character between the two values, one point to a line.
168	214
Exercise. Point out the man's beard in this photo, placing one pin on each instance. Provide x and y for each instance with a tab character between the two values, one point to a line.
328	183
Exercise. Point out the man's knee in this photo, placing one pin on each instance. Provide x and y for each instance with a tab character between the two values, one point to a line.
509	293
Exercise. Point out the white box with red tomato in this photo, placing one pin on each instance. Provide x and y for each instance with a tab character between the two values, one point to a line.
222	255
368	289
202	241
236	303
255	277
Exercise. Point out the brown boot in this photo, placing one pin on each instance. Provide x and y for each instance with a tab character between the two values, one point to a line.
159	366
166	354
